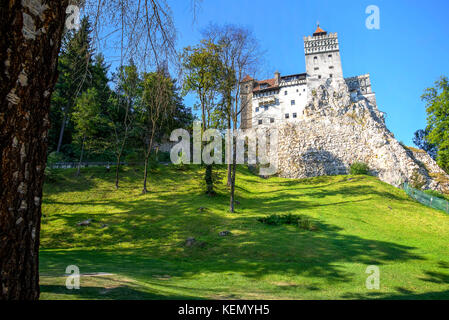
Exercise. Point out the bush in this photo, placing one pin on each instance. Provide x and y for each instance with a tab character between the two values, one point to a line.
133	158
417	180
52	158
359	168
436	194
289	219
164	156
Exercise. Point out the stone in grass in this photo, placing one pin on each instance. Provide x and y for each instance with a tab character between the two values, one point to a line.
104	225
202	209
84	223
225	233
190	242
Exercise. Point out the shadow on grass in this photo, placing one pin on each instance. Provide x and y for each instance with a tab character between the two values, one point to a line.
122	292
148	236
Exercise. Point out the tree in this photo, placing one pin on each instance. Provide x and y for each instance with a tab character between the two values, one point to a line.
75	72
29	46
203	68
157	105
437	108
420	139
239	55
87	118
122	110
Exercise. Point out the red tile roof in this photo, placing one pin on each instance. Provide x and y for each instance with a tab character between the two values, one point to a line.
271	85
247	78
319	31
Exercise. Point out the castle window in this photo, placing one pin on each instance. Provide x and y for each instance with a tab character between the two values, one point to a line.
271	120
285	92
257	109
316	68
315	60
319	77
287	116
266	108
260	121
294	115
292	102
329	56
331	75
331	67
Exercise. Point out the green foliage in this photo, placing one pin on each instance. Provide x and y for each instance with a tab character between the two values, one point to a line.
277	220
358	168
417	181
87	116
421	140
437	108
302	222
76	75
437	194
133	158
52	158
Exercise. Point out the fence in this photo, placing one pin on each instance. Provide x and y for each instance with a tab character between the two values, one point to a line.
427	199
68	165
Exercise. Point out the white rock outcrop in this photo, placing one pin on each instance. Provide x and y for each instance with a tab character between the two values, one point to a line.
337	130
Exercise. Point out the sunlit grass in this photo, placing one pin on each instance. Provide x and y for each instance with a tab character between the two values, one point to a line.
140	238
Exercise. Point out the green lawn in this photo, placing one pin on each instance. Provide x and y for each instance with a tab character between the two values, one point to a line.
361	222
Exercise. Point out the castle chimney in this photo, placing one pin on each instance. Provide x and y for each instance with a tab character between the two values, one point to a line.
277	78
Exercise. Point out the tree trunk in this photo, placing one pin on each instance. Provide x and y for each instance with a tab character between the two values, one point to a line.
61	132
29	46
117	168
234	171
81	158
228	148
209	180
145	174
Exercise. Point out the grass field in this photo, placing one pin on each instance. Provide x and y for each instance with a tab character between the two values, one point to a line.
361	221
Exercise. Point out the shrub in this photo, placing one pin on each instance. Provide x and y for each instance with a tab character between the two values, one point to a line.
164	156
289	219
276	220
417	180
359	168
436	194
306	224
133	158
52	158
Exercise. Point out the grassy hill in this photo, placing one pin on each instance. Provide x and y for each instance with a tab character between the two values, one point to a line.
138	240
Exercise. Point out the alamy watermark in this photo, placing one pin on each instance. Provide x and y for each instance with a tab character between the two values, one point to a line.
373	280
373	20
262	147
72	22
73	278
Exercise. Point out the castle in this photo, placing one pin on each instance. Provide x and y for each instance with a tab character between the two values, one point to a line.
283	98
326	122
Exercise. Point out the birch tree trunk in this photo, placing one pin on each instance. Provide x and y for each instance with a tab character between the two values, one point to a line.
31	37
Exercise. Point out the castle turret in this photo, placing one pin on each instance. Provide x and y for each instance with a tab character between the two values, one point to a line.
322	55
246	96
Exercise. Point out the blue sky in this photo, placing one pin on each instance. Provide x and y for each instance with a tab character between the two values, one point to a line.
407	54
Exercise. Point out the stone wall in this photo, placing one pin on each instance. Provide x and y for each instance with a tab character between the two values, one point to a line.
338	131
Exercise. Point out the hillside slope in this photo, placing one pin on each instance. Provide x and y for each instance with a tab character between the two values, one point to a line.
139	240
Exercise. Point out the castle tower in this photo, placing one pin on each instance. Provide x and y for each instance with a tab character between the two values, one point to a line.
322	55
246	96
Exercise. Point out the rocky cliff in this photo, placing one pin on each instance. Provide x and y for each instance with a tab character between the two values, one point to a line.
338	129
